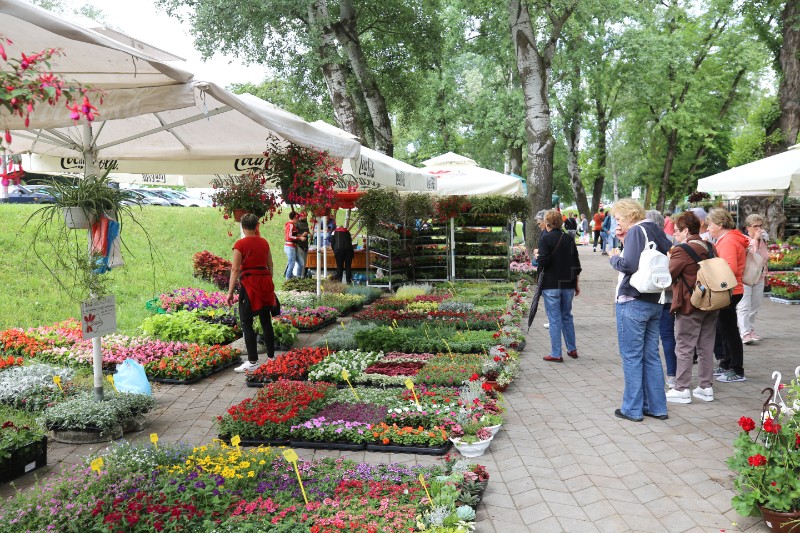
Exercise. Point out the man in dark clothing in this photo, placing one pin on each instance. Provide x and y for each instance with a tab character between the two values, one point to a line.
342	244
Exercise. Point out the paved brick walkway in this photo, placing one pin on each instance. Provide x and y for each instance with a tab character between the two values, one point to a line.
563	462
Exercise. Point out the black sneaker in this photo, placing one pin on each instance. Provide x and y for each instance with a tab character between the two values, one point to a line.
620	414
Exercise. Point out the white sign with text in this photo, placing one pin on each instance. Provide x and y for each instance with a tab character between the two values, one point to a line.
98	317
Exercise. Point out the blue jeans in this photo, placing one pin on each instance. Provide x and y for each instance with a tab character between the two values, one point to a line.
558	306
300	262
667	330
291	254
637	331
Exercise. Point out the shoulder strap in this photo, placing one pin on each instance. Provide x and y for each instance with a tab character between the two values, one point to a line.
558	243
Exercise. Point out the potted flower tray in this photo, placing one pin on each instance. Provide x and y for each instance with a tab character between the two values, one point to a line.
195	379
256	442
24	460
321	445
402	448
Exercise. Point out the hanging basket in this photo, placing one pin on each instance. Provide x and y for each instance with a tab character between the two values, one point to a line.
76	218
238	214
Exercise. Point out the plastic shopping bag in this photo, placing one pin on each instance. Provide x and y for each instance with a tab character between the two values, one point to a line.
130	377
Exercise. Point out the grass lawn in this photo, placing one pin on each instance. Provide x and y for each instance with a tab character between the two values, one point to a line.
31	297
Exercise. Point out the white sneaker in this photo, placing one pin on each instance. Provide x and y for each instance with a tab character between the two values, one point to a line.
705	394
748	339
671	382
679	396
247	366
546	325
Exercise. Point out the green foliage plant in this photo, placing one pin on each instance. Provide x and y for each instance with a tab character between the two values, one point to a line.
378	207
187	327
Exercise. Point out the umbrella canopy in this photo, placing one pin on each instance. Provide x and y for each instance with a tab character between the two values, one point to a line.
374	170
456	174
220	133
778	174
133	82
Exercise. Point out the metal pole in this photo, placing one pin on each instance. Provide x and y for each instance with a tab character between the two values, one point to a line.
89	169
453	248
4	191
325	250
319	267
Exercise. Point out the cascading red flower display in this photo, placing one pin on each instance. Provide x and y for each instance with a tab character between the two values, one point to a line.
757	460
770	426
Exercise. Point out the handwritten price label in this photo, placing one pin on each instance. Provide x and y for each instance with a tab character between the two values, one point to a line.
57	381
235	440
410	386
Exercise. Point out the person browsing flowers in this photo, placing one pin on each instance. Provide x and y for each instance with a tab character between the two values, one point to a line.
252	266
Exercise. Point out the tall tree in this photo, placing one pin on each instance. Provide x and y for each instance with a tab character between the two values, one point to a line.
777	25
534	50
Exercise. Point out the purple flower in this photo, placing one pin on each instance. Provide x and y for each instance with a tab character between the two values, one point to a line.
199	485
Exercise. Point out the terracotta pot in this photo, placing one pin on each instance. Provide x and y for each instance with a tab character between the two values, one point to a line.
498	388
238	214
778	522
321	212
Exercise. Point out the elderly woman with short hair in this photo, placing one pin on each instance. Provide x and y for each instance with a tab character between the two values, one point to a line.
559	267
747	309
638	317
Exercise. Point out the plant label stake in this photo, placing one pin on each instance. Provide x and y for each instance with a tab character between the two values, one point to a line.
346	377
291	456
154	439
410	386
110	379
235	440
96	465
449	351
422	480
394	323
57	381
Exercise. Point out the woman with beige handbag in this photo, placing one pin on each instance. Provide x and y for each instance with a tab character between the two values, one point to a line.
755	274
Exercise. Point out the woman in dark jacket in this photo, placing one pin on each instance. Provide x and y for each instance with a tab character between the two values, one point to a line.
693	328
558	261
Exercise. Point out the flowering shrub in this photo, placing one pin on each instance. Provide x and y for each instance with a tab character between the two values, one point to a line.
8	362
275	409
248	192
194	361
767	462
212	268
294	364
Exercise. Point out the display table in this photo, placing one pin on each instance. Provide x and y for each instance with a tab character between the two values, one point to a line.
359	260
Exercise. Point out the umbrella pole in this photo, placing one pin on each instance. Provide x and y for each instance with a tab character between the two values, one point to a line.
319	243
453	248
325	250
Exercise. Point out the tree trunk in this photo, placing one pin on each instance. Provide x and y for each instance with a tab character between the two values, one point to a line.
602	157
515	160
347	34
533	68
572	134
335	75
672	148
789	90
769	207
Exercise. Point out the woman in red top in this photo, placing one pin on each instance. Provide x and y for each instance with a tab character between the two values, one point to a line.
252	265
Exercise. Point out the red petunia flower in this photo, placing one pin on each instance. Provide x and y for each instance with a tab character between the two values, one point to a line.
757	460
747	424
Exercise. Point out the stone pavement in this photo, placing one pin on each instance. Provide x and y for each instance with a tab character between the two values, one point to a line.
563	461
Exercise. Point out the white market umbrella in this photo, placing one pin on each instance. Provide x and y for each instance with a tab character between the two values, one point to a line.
456	175
775	175
220	133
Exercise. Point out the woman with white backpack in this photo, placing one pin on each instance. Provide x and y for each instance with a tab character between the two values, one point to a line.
638	316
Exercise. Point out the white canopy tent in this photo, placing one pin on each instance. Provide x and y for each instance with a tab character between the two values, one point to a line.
456	174
374	170
775	175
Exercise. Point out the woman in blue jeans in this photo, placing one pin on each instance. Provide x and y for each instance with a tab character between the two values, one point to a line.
560	267
638	317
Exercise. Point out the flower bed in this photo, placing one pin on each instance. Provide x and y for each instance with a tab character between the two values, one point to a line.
785	285
212	268
310	318
425	340
450	369
431	318
189	327
274	410
31	387
192	364
354	361
294	364
189	298
142	488
8	362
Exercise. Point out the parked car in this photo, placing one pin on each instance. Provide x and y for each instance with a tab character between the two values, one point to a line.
19	194
41	189
142	199
152	198
181	197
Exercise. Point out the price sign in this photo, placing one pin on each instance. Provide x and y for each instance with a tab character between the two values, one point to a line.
291	456
422	480
57	381
410	385
97	464
235	440
154	439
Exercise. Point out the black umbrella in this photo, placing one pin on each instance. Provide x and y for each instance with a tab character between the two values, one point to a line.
536	296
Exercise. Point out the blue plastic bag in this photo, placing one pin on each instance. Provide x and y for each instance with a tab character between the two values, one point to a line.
130	377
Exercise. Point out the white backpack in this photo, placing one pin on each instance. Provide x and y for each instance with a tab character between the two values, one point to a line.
653	273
